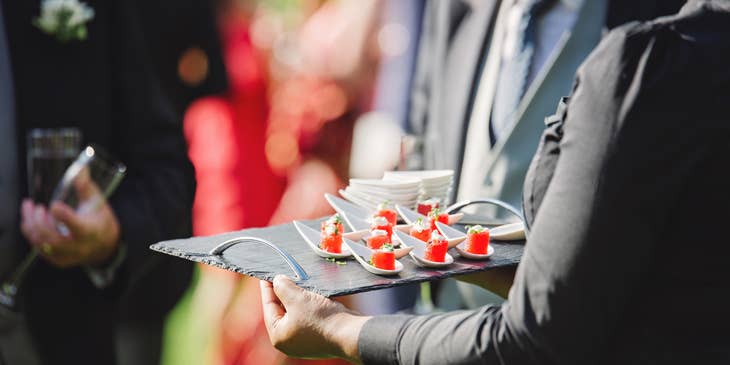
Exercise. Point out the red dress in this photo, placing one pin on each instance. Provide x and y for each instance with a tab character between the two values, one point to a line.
238	188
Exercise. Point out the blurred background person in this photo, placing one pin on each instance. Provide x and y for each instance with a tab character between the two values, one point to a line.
184	48
300	73
236	186
487	75
508	61
107	302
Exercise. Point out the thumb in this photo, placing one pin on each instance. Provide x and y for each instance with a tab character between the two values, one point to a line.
286	290
85	187
64	214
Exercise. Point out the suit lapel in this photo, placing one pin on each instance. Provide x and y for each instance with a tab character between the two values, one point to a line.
553	82
501	170
453	71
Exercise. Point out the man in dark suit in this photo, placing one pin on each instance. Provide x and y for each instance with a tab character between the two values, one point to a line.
460	77
457	38
104	86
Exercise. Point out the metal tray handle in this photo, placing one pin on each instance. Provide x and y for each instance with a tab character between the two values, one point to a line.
293	264
516	212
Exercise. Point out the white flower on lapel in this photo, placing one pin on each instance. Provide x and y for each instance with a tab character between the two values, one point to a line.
64	19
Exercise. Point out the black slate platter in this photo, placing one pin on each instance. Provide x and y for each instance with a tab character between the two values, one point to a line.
327	278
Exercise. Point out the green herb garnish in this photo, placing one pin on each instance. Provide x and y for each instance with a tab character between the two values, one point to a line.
475	229
434	213
335	219
334	261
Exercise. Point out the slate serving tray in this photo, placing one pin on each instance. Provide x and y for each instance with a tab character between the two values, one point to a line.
329	279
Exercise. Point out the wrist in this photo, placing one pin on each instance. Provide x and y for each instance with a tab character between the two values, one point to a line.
103	253
109	242
103	275
344	332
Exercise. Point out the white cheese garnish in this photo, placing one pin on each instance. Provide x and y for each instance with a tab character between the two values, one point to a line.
420	226
333	219
436	236
330	229
380	221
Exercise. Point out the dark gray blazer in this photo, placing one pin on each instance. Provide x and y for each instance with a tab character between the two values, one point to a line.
452	47
450	52
629	194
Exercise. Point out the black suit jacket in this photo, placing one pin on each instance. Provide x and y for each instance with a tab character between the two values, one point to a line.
105	86
168	34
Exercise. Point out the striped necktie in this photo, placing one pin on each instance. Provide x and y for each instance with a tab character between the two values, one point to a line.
515	68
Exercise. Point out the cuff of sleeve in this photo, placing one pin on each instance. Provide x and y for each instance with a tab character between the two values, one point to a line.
379	339
102	277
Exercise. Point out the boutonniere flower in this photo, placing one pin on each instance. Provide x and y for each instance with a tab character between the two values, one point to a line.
64	19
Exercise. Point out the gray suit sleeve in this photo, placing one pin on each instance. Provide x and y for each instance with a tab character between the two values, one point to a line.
568	293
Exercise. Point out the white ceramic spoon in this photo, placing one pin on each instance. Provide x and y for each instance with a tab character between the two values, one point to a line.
461	249
347	209
357	224
356	217
399	252
363	254
508	232
451	233
452	241
453	236
312	237
356	235
406	228
410	216
419	251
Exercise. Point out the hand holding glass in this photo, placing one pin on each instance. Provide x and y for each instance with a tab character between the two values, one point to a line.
80	227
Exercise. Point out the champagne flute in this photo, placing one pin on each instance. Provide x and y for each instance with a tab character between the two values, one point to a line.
92	163
96	165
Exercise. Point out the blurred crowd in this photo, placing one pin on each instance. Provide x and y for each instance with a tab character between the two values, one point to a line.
300	75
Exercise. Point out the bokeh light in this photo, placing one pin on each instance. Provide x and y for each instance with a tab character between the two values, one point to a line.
192	67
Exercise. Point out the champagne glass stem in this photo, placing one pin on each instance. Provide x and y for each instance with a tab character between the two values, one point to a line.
10	287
